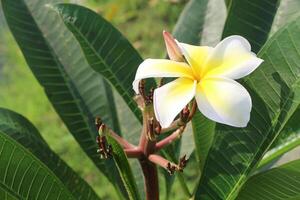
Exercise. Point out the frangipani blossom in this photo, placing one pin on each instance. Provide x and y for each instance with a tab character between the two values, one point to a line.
208	75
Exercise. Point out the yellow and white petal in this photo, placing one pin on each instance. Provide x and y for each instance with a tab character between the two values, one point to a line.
171	98
196	56
232	58
224	100
161	68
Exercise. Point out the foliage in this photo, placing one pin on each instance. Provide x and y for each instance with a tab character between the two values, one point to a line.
86	66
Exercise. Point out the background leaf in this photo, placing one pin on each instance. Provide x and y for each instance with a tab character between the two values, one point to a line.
251	19
214	23
275	91
287	10
21	130
23	176
189	26
280	183
47	67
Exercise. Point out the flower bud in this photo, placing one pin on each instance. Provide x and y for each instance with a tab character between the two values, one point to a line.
173	49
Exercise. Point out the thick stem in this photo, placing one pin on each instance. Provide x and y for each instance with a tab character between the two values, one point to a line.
151	179
148	146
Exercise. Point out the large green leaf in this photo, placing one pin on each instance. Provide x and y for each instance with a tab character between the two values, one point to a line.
21	130
290	136
124	169
34	28
280	183
23	176
189	26
251	19
106	50
288	139
275	91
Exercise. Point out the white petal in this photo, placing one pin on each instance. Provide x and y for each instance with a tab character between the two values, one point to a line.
224	100
171	98
161	68
232	58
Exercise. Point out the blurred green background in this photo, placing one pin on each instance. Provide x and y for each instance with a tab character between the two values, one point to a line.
141	21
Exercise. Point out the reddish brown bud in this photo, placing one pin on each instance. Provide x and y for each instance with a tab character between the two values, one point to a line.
182	163
173	49
184	115
98	122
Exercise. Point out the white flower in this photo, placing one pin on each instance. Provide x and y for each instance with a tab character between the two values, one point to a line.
208	76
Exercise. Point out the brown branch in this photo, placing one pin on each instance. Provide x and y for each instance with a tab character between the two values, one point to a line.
134	152
123	142
168	140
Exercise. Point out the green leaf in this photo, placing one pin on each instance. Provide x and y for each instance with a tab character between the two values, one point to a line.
23	176
107	51
275	91
189	26
21	130
288	139
280	183
204	132
70	92
251	19
287	10
123	166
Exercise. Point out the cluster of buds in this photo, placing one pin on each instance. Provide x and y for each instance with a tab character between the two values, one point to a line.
104	149
147	99
171	167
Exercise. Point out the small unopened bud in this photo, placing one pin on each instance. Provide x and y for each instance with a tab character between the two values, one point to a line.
104	149
151	132
184	115
171	168
173	49
102	130
182	163
149	98
98	122
142	88
140	101
158	129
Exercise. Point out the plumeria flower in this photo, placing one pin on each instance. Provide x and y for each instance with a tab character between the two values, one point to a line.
209	75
